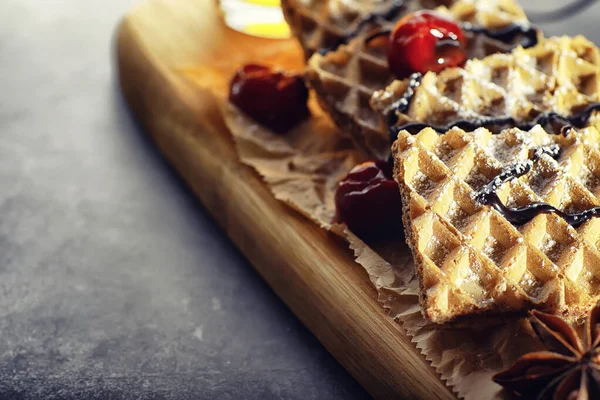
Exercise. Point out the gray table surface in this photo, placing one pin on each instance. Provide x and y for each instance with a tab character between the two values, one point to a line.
114	281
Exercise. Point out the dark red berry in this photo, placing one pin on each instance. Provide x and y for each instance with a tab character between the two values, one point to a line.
273	98
425	41
368	200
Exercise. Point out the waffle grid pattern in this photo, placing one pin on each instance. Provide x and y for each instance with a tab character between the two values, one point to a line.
470	259
321	24
346	79
560	75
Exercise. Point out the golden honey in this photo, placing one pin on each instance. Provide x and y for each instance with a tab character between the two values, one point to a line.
262	18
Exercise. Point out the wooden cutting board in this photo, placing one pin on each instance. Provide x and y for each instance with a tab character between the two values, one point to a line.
312	272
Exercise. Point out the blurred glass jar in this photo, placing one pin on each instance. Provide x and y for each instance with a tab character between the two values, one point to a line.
262	18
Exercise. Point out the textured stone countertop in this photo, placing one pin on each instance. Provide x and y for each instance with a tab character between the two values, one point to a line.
114	282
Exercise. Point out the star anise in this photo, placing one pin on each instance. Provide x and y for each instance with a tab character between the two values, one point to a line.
568	369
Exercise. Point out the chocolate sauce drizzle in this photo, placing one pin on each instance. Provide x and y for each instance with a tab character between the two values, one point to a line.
403	103
528	34
488	195
386	16
550	121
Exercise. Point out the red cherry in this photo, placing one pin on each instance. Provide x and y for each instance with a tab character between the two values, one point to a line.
273	98
425	41
368	200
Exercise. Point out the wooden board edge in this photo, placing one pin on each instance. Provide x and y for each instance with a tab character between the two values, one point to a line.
367	342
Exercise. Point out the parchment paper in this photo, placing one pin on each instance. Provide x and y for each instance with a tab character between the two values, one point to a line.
302	169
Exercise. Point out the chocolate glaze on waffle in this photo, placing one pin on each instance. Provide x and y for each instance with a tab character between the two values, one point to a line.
528	33
521	215
402	104
548	120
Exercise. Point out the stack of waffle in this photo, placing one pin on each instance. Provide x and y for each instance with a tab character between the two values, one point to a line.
346	77
456	132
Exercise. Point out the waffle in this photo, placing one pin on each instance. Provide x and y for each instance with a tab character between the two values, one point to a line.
324	24
560	77
470	259
345	79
